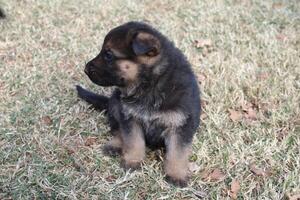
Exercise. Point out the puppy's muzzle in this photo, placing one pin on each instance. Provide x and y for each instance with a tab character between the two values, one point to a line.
90	69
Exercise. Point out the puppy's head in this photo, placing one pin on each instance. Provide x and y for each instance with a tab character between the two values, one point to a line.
127	51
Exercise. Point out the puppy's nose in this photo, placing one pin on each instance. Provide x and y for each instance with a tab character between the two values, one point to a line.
88	68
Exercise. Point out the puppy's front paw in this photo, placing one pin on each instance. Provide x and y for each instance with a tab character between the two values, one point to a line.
110	150
178	182
130	165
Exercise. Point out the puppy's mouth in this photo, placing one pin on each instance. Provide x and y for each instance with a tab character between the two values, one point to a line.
104	78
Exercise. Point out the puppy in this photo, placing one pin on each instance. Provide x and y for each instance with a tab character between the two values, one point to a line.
156	102
2	14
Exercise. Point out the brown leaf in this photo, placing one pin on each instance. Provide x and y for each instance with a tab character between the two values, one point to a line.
110	178
234	189
263	76
277	5
90	141
251	114
47	120
293	197
201	78
215	175
257	171
201	43
2	84
235	115
281	37
203	116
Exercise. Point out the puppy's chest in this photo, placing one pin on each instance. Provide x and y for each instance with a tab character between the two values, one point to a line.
169	119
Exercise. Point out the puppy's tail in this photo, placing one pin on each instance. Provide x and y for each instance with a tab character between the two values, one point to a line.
2	14
99	102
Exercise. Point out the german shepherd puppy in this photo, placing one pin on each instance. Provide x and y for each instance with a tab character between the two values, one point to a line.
2	14
156	102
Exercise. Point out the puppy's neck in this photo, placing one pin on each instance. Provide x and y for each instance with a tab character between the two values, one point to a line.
129	90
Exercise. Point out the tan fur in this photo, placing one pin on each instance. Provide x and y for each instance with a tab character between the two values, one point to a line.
117	53
134	145
172	118
116	141
152	41
148	60
176	163
128	70
146	36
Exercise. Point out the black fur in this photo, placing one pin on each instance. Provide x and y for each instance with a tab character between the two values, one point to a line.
2	14
99	102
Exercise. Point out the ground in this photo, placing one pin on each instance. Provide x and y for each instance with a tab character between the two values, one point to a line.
245	54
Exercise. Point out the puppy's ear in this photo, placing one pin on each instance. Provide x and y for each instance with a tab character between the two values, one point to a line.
145	44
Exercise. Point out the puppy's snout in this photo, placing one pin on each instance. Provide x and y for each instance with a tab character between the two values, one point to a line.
86	71
89	68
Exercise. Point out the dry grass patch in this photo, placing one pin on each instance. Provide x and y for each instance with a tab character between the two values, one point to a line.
246	54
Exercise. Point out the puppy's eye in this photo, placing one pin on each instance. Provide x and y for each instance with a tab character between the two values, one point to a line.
108	56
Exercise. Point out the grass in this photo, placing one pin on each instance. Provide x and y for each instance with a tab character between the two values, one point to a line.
50	141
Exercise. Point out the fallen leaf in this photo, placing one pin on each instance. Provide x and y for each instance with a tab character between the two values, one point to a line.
234	189
263	76
203	116
215	176
235	115
277	5
257	171
293	197
110	178
205	52
47	120
90	141
2	84
201	78
201	43
249	112
281	37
